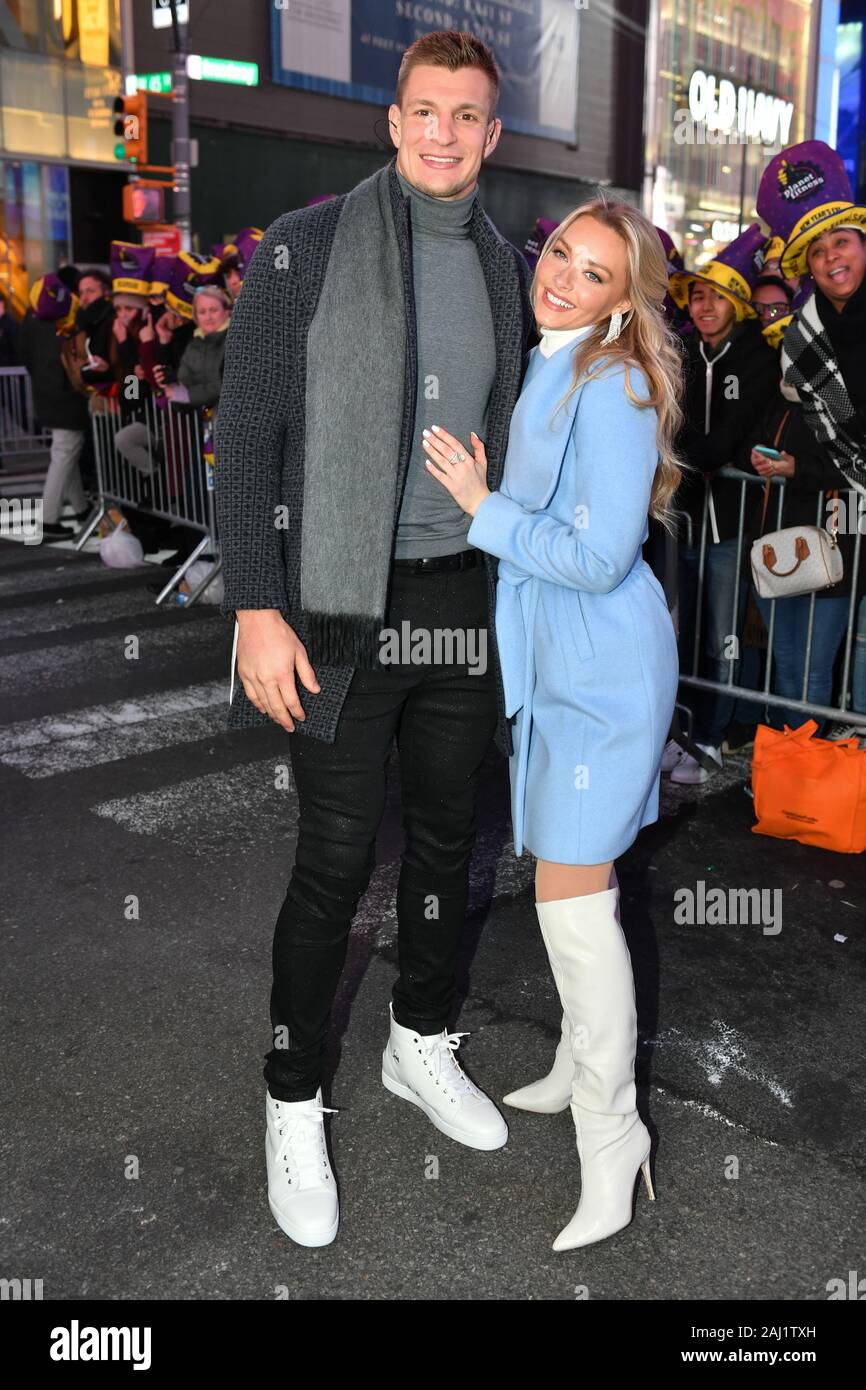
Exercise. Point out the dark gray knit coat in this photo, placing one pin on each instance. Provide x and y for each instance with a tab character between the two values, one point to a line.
259	436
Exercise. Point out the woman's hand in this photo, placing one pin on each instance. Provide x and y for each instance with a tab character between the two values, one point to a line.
119	331
773	468
465	479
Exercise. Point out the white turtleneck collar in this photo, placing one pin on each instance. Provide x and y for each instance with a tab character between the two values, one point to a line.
552	339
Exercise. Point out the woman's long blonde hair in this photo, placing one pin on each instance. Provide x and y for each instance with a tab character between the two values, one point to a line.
646	340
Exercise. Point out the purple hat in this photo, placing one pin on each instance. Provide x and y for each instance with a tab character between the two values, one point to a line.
160	274
319	198
773	248
130	268
732	273
805	191
54	302
774	332
672	255
537	237
189	270
239	251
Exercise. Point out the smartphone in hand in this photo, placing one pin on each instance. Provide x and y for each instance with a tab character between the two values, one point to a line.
767	451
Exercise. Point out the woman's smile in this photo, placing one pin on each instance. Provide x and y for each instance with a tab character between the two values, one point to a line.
555	302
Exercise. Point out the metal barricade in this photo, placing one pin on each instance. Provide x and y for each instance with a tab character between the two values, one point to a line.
850	507
150	457
18	432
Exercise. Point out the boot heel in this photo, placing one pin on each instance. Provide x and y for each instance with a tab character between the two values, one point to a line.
645	1169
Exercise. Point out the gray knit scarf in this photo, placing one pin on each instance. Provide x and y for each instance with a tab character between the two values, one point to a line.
355	388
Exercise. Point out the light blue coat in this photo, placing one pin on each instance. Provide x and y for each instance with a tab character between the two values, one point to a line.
586	642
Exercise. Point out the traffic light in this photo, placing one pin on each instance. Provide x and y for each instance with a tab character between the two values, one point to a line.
131	128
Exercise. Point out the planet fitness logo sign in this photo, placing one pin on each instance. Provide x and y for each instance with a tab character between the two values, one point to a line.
799	180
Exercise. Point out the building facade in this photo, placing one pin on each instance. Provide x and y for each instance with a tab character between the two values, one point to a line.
60	70
315	121
729	84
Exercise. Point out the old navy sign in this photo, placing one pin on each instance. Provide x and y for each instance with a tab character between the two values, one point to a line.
722	106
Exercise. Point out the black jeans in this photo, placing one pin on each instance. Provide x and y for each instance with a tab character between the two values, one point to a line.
443	715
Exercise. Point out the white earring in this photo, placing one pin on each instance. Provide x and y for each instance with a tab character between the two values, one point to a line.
614	331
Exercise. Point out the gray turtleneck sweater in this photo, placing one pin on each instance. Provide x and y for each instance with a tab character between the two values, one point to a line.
456	364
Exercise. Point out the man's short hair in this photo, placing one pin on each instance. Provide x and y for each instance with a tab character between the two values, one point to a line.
776	282
94	273
452	49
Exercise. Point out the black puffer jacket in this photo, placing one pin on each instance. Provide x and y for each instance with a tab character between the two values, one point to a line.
742	374
56	403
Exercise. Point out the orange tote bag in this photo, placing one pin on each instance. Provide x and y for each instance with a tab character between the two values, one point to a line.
810	789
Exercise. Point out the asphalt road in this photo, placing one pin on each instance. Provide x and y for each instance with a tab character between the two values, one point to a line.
146	854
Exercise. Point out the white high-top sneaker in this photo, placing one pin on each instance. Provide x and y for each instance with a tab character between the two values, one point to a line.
689	771
672	756
302	1193
423	1069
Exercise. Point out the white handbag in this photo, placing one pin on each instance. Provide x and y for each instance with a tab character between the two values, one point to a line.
797	559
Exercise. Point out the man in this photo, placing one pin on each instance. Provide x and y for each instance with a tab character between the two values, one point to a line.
58	403
364	320
771	298
730	371
94	301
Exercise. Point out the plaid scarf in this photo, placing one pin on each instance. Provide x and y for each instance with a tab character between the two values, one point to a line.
811	368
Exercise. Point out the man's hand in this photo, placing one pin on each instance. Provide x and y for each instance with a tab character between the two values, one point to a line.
269	654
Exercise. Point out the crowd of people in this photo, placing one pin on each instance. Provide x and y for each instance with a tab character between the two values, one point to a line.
148	333
161	323
774	387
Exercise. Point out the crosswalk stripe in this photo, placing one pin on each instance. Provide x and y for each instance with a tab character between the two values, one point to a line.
177	645
241	806
89	737
60	613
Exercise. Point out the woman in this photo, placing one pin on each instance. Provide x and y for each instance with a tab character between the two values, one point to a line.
200	374
588	651
808	471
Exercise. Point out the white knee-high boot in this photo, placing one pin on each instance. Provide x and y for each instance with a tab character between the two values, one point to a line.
592	966
552	1093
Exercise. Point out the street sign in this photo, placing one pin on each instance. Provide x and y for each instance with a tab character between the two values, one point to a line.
240	74
232	70
162	13
159	82
165	240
